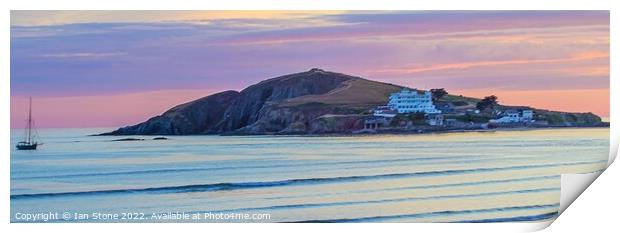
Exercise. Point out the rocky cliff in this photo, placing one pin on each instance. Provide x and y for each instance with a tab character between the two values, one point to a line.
311	102
195	117
292	104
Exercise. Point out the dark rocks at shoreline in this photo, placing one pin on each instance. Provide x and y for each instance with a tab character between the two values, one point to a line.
127	140
137	139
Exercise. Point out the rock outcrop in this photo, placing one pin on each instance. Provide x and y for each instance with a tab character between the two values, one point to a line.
291	104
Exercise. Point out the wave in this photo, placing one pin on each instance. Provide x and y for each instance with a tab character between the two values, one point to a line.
476	158
455	212
433	186
304	181
406	199
237	167
526	218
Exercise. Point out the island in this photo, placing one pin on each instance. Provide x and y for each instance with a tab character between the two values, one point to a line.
319	102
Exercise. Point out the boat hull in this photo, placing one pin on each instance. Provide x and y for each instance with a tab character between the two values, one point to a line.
27	147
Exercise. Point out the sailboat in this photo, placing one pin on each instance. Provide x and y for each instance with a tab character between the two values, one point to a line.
28	143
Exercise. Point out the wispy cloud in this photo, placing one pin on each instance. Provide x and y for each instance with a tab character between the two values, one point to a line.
83	55
466	65
47	18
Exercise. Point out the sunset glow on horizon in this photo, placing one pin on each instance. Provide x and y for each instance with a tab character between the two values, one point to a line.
116	68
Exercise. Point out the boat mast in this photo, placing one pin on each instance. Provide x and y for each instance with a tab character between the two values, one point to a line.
29	120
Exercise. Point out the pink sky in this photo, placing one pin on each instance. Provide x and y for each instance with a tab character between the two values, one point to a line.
106	111
127	109
116	68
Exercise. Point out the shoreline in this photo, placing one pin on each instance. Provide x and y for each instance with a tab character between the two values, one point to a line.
413	132
395	132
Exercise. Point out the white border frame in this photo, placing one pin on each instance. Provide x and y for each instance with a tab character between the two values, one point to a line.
309	5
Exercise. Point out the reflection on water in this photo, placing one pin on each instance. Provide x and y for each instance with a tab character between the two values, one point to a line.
454	177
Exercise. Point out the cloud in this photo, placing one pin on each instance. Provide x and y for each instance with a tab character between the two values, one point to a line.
83	55
421	25
47	18
466	65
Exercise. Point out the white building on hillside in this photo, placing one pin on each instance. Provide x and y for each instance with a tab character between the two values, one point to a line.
409	101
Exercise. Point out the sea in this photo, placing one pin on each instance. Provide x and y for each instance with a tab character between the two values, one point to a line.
491	176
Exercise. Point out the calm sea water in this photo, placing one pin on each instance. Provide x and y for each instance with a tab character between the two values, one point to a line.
455	177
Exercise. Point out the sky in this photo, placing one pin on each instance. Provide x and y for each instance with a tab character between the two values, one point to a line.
116	68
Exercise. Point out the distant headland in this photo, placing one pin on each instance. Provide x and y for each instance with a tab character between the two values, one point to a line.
324	102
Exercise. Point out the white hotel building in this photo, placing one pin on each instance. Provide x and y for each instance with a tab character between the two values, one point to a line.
408	101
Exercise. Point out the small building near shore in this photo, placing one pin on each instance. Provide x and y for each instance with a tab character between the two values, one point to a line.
435	119
515	116
375	122
527	114
384	111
